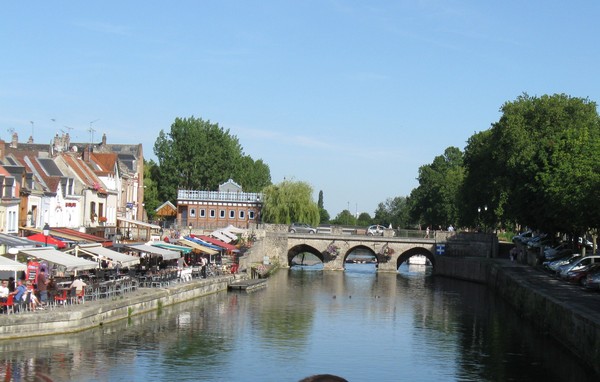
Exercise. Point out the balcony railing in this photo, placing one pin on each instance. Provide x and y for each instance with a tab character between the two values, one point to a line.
219	196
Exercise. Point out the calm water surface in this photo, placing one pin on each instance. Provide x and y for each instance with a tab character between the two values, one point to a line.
356	324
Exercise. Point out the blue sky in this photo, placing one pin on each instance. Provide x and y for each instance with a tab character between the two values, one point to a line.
349	96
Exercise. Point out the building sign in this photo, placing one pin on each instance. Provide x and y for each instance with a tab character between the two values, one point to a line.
440	249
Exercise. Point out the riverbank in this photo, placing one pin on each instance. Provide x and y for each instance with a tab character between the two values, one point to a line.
564	311
79	317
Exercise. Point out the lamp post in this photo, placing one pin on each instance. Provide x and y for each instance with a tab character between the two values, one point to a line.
190	227
479	213
46	231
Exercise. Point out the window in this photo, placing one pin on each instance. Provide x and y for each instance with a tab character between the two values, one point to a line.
212	213
251	215
242	214
193	212
231	214
222	214
93	215
202	213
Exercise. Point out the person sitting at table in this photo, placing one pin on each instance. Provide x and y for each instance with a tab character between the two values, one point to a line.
19	292
30	298
4	292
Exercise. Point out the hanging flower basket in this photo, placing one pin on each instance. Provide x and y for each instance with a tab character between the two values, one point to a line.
386	253
332	251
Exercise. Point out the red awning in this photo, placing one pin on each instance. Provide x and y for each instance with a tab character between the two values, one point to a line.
39	237
219	243
71	234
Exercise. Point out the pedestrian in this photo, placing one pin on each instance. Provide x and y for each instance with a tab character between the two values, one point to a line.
427	233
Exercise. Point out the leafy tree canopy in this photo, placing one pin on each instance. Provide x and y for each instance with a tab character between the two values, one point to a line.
290	201
545	152
435	201
199	155
345	218
393	211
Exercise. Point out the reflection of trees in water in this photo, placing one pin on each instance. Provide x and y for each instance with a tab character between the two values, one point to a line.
287	328
75	356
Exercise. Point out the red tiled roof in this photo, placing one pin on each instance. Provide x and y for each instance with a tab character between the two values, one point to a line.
81	235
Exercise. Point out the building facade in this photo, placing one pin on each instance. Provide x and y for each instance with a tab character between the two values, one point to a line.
210	210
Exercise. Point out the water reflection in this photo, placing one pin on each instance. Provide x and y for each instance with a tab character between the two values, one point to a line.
358	324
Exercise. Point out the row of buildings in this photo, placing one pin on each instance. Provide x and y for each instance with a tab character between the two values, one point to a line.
82	186
98	187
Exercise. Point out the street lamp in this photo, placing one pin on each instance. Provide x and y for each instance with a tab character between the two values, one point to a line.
190	227
479	213
46	231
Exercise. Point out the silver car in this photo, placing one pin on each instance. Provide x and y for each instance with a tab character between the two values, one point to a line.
301	228
375	230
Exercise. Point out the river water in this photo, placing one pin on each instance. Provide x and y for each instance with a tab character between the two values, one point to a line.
356	324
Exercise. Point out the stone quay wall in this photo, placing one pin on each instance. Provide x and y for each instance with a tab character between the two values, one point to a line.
564	311
75	318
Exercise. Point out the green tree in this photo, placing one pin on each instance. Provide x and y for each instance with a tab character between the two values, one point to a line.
199	155
252	175
323	214
151	200
546	156
393	211
435	201
364	219
290	201
345	218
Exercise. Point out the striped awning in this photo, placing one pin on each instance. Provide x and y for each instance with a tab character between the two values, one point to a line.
97	250
166	254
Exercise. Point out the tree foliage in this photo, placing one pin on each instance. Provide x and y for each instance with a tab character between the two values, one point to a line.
435	201
151	200
290	201
344	218
199	155
542	163
393	211
364	219
323	214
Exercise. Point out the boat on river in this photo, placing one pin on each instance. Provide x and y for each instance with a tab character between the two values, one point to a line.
418	260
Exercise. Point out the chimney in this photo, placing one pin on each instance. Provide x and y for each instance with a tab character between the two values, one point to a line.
15	140
104	139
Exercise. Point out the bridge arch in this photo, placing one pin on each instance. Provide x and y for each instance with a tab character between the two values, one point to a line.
368	251
303	248
415	251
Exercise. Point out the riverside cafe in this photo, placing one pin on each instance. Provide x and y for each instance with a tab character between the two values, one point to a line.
9	248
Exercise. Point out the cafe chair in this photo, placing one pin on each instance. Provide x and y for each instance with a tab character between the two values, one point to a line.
61	299
8	305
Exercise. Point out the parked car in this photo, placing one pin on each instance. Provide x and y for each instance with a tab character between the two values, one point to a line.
557	254
550	252
578	274
592	280
577	265
522	237
301	228
554	265
375	230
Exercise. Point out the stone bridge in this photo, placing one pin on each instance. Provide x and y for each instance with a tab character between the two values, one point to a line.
390	252
281	247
